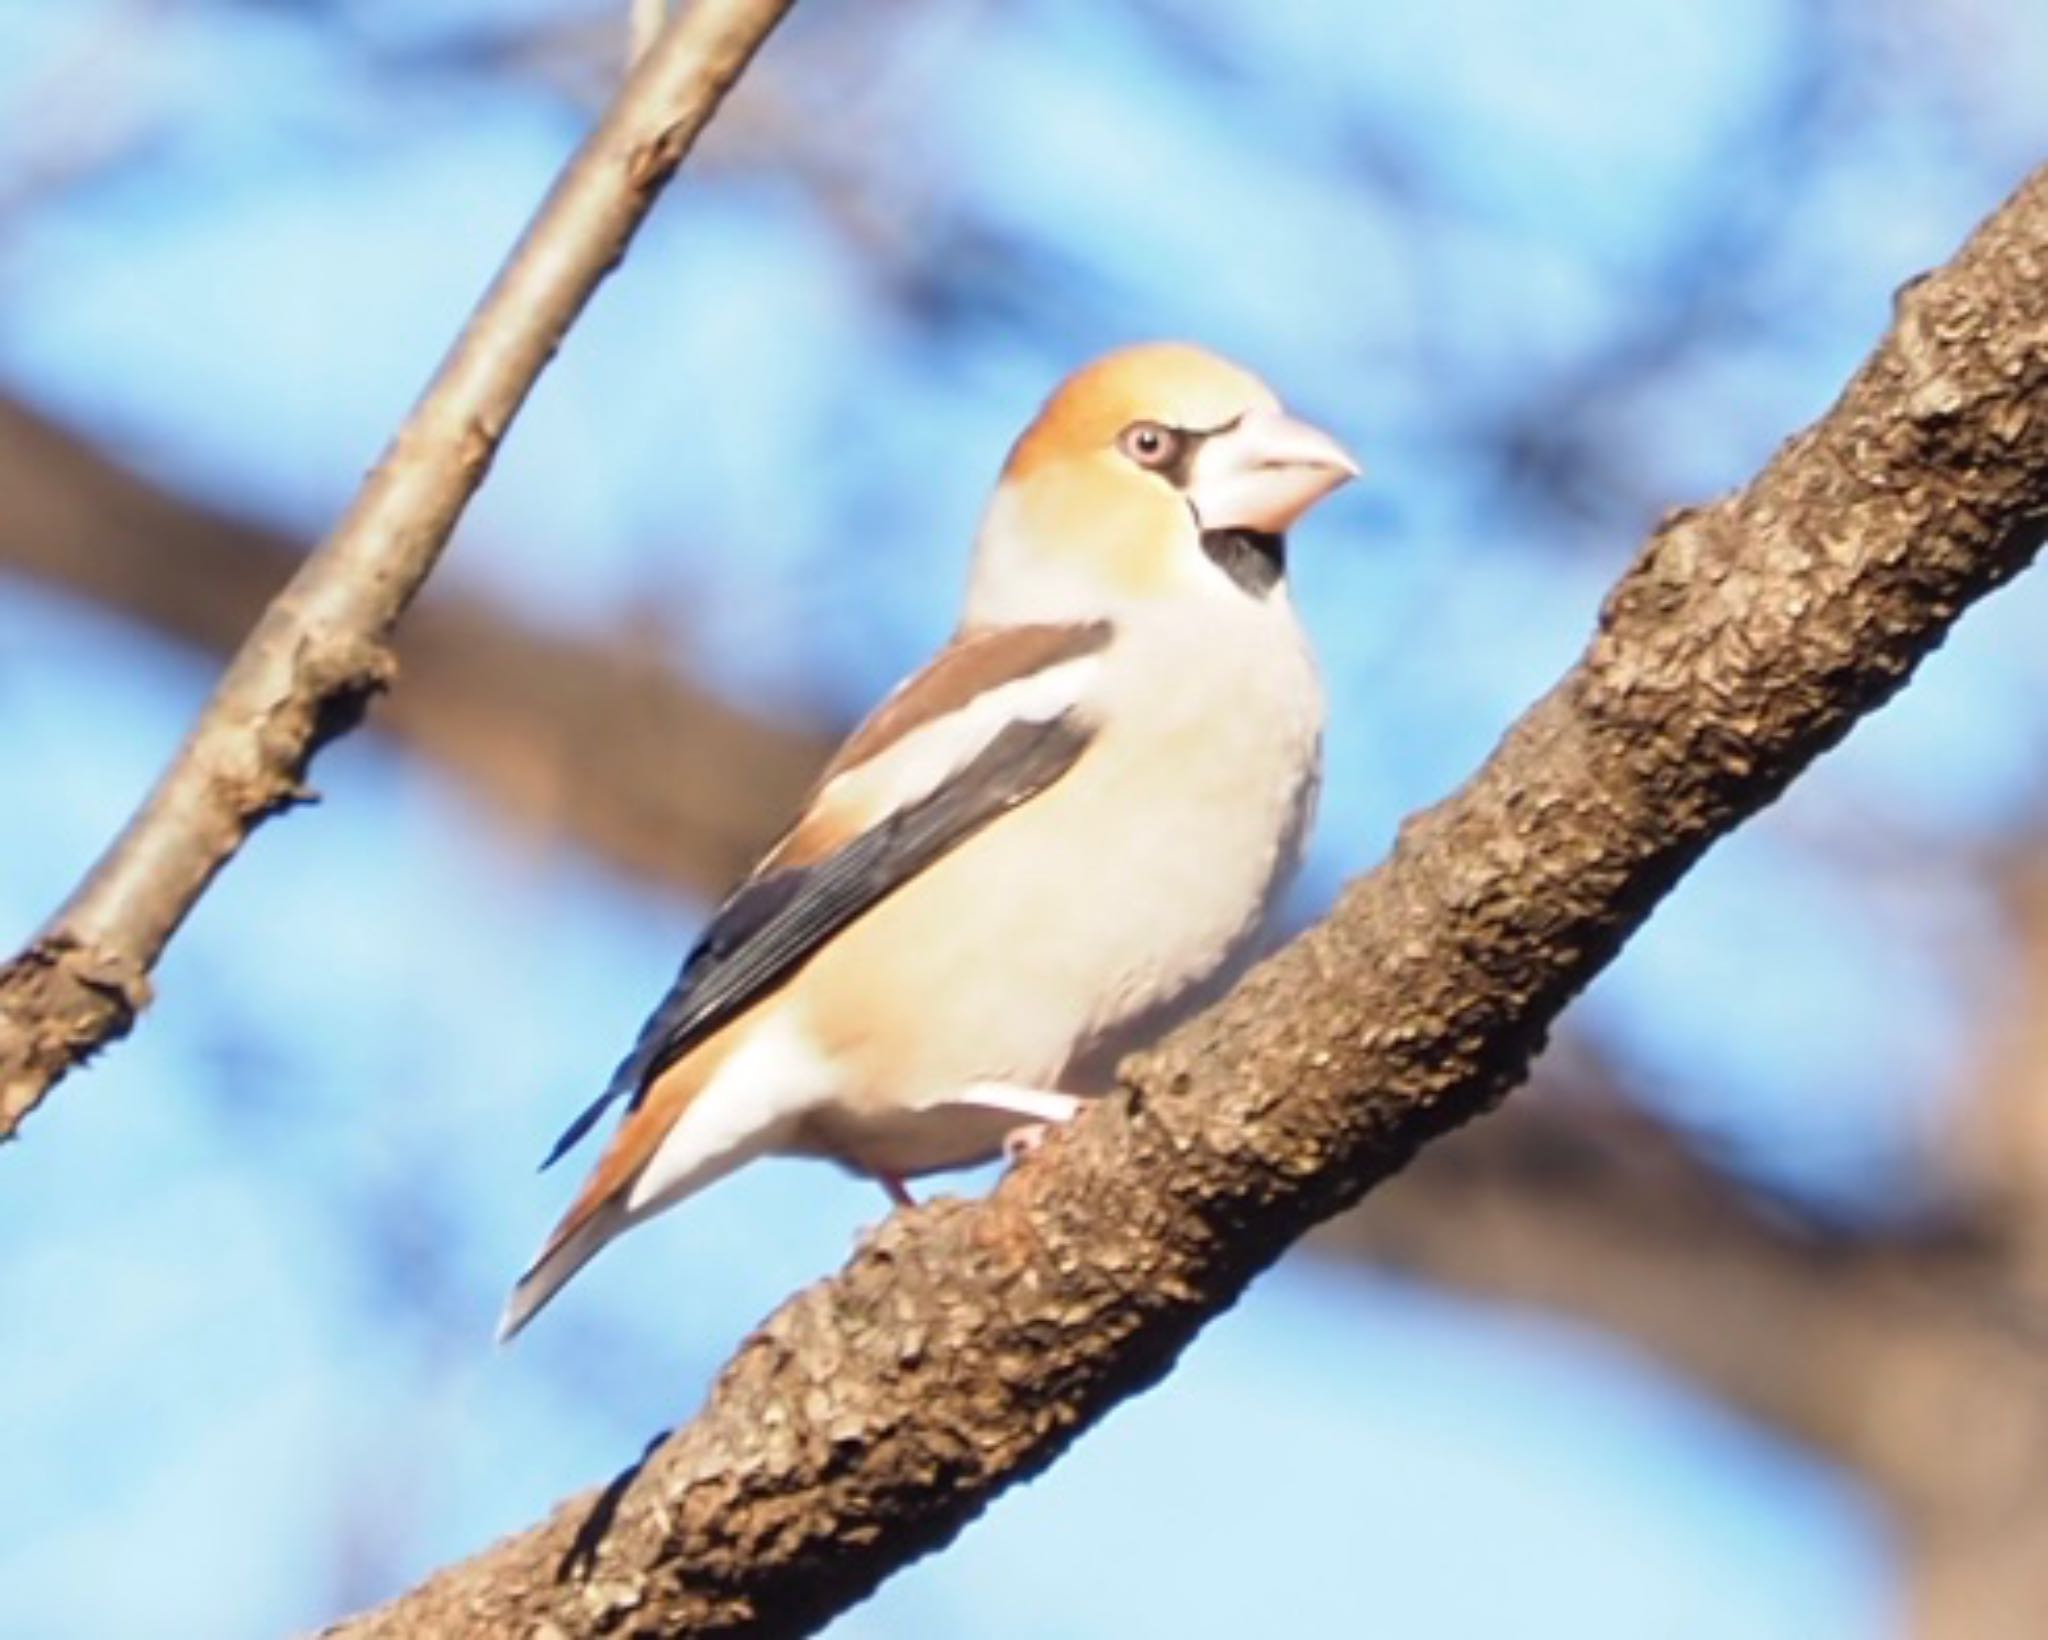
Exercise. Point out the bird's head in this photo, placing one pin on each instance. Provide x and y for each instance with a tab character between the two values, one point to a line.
1157	470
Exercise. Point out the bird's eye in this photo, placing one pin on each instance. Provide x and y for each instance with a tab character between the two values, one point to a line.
1150	445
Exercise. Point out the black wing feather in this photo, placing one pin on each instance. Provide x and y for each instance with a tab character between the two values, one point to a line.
773	924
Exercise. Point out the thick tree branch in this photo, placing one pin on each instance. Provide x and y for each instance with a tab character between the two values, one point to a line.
967	1343
584	737
322	648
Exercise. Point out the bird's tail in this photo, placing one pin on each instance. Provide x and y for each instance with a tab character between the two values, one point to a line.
665	1150
574	1244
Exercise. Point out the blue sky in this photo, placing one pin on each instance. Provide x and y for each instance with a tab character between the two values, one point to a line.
258	1247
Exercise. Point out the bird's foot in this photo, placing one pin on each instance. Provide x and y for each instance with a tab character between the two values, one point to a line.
1044	1109
1020	1142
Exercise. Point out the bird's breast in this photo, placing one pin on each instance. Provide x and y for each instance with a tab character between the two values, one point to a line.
1216	761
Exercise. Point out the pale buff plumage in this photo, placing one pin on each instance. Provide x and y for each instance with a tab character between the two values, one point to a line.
1003	977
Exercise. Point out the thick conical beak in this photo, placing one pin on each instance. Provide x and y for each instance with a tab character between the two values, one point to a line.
1265	472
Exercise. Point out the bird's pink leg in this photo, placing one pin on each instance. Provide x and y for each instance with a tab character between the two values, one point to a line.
898	1191
1042	1110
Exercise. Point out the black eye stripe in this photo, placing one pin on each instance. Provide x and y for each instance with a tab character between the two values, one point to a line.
1178	468
1176	464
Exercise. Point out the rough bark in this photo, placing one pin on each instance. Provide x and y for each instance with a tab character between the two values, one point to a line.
322	648
966	1344
587	738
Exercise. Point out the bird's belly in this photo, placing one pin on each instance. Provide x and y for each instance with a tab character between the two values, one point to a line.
904	1141
1049	945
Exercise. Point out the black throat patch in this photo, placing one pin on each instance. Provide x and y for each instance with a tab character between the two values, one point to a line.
1254	560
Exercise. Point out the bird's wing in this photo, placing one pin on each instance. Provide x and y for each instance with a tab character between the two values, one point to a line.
996	720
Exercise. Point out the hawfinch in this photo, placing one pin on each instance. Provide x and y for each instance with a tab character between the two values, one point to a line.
1039	851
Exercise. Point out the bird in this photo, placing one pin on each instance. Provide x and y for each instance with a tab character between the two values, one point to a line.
1062	835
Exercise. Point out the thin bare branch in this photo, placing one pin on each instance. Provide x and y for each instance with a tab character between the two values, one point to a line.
644	20
322	649
967	1343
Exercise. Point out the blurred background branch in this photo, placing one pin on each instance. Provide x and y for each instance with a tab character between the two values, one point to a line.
595	740
1909	1355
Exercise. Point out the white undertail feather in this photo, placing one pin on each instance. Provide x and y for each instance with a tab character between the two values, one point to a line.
749	1108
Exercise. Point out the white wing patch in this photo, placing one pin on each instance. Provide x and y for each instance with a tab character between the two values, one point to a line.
923	760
